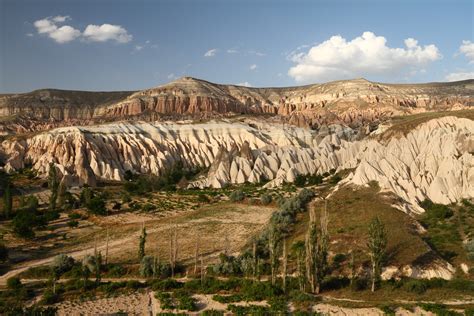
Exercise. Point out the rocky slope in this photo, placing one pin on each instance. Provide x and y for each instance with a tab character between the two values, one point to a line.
349	102
435	160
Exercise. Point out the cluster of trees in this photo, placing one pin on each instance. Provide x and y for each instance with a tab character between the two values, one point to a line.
152	266
269	253
141	184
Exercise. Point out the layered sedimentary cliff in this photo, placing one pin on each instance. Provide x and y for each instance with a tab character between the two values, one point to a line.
348	102
435	160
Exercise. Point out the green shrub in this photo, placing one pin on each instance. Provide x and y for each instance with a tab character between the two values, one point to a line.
116	270
148	207
62	263
186	301
237	195
300	180
97	206
212	312
49	297
73	223
74	216
266	199
166	285
359	284
415	286
439	309
14	283
225	299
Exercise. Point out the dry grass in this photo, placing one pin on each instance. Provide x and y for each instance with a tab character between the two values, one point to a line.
350	210
402	125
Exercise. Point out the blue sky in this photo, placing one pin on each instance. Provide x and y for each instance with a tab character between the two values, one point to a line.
127	45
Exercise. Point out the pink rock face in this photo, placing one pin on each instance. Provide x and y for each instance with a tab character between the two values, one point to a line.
349	102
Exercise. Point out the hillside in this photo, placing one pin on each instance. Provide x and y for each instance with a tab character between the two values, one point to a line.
348	102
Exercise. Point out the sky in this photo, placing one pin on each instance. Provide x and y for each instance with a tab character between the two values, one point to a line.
105	45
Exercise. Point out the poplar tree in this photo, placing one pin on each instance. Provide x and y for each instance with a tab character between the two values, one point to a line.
53	184
377	244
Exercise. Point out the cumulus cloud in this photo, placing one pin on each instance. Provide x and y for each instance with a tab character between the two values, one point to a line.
457	76
467	48
253	67
50	26
368	54
106	32
211	53
244	84
63	34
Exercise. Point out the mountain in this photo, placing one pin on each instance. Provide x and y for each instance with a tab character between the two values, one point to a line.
98	136
348	102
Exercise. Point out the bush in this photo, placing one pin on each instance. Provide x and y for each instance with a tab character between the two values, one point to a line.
436	211
470	249
117	271
97	206
300	180
315	179
186	301
266	199
439	309
415	286
62	263
226	299
147	266
237	195
49	297
360	284
14	283
73	216
73	223
23	224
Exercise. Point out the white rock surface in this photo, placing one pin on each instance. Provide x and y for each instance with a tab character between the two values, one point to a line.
433	161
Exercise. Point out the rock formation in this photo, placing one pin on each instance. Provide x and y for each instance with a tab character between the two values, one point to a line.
435	160
347	102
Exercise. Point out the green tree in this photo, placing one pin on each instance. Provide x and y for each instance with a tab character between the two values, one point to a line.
53	185
273	244
141	244
377	244
7	200
97	205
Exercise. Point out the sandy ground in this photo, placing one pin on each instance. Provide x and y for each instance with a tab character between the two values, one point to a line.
147	304
217	227
132	304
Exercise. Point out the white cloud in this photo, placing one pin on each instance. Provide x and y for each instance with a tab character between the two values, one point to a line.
457	76
61	18
244	84
138	47
365	55
253	67
106	32
171	76
66	33
29	34
467	48
232	51
61	34
211	53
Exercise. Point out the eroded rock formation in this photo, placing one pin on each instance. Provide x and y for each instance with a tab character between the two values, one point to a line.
435	160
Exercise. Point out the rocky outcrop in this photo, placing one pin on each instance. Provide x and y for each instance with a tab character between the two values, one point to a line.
352	102
435	160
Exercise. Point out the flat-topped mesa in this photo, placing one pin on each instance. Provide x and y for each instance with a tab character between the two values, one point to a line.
347	101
